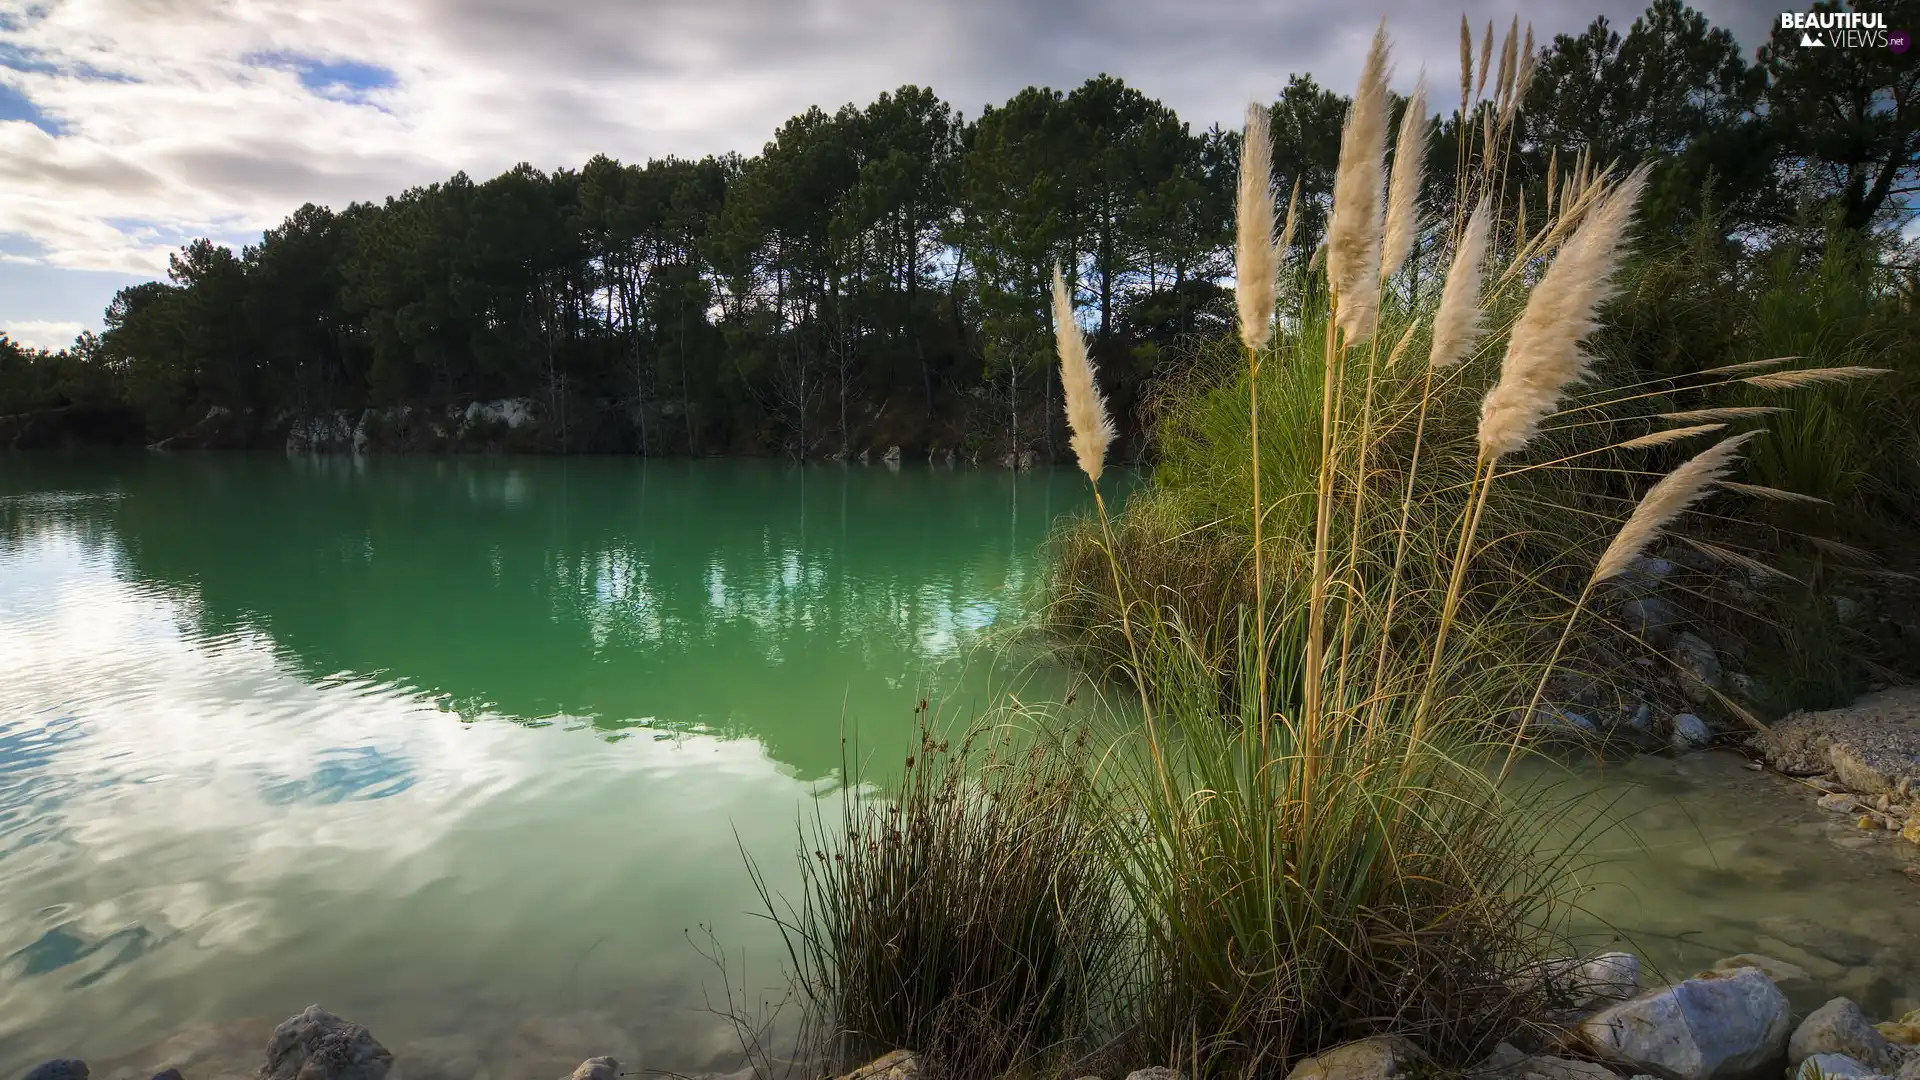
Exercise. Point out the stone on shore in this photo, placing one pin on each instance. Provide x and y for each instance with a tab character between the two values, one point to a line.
1716	1026
1783	974
1871	746
596	1068
58	1069
1838	1027
1381	1057
317	1045
896	1065
1832	1067
1154	1072
1690	732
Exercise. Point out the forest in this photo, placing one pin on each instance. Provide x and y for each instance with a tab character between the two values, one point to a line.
879	275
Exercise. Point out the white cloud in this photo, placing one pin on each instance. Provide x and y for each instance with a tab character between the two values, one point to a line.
41	333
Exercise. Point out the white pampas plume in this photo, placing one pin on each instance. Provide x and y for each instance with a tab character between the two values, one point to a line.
1543	352
1665	436
1792	380
1466	63
1255	269
1665	501
1458	323
1486	62
1403	190
1087	415
1285	241
1353	242
1503	90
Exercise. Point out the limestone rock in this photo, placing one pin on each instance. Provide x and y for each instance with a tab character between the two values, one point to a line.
896	1065
1832	1067
1699	665
597	1068
1716	1026
1381	1057
1154	1072
317	1045
1690	732
1546	1067
1871	746
1782	973
1650	619
58	1069
1838	1027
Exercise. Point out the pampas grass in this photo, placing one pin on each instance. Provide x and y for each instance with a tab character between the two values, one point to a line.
1664	502
1403	190
1486	62
1353	241
1466	63
1793	380
1669	435
1544	354
1092	429
1255	266
1458	323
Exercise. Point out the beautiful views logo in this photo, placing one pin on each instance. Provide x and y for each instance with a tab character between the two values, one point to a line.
1843	29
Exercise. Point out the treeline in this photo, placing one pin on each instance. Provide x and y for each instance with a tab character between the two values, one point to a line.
879	275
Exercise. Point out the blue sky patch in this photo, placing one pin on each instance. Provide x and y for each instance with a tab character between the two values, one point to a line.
335	80
15	105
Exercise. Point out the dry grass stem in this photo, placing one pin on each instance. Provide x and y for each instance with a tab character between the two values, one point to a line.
1255	271
1774	494
1544	354
1664	502
1406	336
1727	412
1403	189
1459	322
1670	435
1087	415
1353	241
1730	557
1793	380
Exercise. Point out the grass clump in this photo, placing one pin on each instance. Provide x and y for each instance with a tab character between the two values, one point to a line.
1379	530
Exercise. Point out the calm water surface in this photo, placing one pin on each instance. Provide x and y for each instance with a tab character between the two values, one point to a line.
469	750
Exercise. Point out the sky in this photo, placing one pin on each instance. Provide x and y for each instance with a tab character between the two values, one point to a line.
129	127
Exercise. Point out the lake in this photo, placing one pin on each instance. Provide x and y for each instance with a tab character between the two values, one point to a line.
469	750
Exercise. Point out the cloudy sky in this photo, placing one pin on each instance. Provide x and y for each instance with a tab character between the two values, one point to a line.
128	127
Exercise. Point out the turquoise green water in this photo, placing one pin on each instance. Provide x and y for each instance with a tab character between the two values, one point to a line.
445	744
469	750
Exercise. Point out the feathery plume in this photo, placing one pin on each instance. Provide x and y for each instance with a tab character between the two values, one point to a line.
1668	435
1774	494
1087	415
1793	380
1458	322
1466	63
1353	241
1748	365
1543	352
1319	256
1553	169
1403	189
1730	557
1726	412
1254	270
1486	63
1281	245
1503	92
1393	357
1843	552
1664	502
1523	76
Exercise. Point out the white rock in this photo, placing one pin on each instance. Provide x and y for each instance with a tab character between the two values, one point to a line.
1381	1057
1839	1028
1700	667
1832	1067
1707	1028
1690	732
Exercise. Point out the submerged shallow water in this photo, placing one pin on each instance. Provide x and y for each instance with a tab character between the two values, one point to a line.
470	751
